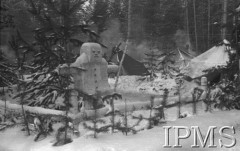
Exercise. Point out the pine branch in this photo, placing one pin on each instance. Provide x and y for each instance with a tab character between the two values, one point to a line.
36	12
102	129
51	5
76	6
126	128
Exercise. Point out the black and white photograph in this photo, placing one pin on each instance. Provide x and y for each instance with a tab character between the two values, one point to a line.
120	75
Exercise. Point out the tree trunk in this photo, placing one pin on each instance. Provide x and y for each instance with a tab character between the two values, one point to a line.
209	23
67	98
224	19
195	25
66	127
187	27
5	109
25	120
5	105
23	111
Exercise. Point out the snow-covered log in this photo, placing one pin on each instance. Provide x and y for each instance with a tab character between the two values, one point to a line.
52	112
36	110
89	113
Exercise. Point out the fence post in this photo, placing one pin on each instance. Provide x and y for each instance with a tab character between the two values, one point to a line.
204	86
194	101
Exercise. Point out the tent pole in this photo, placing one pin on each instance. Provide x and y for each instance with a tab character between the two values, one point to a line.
125	50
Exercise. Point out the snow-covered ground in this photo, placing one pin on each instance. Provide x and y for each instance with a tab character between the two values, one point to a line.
147	140
134	84
133	87
137	94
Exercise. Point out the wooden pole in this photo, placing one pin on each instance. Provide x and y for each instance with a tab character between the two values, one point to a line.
179	101
95	122
125	116
204	87
151	108
126	46
194	101
113	114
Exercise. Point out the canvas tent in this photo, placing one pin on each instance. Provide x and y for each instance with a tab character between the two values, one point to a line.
132	66
216	56
182	62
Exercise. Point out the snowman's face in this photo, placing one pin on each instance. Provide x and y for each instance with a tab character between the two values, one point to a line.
96	54
93	51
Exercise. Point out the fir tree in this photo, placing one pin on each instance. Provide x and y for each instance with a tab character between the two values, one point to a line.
160	114
167	63
11	122
230	83
61	26
96	122
152	120
100	15
67	106
7	74
124	126
96	128
152	62
179	81
6	18
24	114
18	44
8	77
150	107
110	99
63	131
